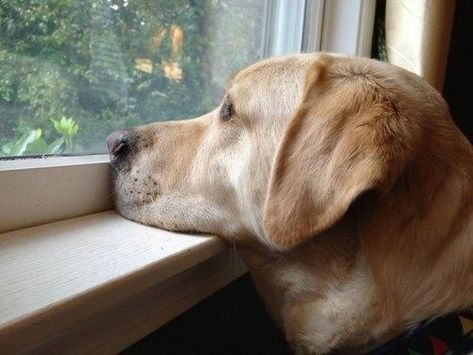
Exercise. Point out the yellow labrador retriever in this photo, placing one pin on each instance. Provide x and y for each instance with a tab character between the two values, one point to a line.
343	182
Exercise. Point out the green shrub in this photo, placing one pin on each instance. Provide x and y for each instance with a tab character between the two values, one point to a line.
101	65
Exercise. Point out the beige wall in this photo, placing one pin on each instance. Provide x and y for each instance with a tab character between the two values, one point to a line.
418	35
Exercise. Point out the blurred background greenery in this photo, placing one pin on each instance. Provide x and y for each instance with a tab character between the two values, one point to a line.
73	71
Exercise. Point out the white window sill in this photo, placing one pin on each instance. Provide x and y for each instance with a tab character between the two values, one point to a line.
98	283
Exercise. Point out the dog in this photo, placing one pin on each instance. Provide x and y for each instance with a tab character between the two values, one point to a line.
343	183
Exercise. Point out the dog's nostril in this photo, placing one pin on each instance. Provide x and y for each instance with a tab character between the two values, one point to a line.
118	143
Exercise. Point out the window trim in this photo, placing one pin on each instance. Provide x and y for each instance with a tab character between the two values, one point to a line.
313	25
76	186
52	189
283	26
348	27
38	191
101	283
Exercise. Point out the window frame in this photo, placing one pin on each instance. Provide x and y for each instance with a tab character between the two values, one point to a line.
100	283
39	191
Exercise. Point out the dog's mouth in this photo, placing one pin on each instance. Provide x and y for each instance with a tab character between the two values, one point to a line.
131	190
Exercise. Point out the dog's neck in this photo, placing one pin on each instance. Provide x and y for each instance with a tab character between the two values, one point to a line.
414	242
418	244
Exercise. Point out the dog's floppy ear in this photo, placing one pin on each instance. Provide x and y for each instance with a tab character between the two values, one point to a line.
346	138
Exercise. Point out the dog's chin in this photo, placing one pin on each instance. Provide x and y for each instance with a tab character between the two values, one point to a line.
157	213
136	207
177	213
132	210
144	213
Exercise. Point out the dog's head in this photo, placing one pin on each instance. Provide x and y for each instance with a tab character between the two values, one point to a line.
295	141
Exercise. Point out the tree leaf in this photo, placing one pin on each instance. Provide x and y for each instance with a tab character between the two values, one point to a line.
55	147
26	139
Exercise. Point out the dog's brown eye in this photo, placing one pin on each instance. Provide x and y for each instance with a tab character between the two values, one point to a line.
226	111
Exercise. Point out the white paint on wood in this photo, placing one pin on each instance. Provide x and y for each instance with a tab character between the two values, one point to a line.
117	327
348	26
53	277
38	191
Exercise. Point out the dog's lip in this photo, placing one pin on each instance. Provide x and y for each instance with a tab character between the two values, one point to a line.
133	198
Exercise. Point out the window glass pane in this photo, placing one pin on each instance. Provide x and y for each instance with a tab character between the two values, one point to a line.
73	71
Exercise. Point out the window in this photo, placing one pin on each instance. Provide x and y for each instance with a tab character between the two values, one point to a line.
70	72
73	71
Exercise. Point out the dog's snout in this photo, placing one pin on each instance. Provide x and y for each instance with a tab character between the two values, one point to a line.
118	144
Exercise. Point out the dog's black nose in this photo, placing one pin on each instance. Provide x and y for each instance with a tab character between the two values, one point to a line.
118	144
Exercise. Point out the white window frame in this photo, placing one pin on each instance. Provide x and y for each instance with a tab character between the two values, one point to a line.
348	26
97	279
37	191
283	26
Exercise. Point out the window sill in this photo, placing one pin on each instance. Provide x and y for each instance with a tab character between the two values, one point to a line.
99	283
42	189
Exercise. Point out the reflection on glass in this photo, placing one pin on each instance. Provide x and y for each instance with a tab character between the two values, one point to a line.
73	71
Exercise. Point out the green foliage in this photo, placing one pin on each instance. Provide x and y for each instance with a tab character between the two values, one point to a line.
68	129
101	65
19	147
32	143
